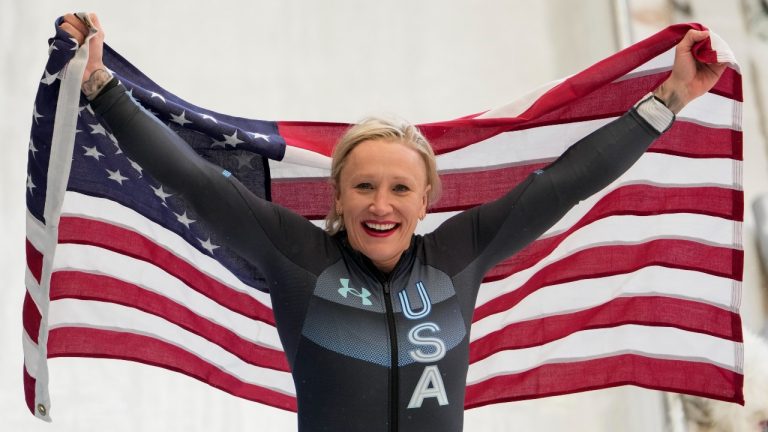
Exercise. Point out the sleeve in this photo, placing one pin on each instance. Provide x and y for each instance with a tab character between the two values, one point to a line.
254	228
487	234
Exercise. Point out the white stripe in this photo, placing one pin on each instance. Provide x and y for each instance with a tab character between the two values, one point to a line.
657	64
279	170
522	104
652	169
542	143
588	293
657	342
519	147
35	232
712	110
724	52
31	354
145	275
302	157
81	205
110	316
623	230
33	288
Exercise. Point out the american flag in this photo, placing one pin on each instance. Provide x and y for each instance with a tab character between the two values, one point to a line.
639	284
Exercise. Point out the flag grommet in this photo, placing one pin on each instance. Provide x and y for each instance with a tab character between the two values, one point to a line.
41	409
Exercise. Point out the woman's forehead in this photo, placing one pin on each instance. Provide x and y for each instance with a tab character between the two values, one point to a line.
393	158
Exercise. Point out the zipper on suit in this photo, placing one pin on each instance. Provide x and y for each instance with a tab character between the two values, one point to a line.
393	370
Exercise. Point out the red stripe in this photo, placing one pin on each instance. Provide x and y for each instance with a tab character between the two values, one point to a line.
89	342
72	284
29	390
610	260
699	379
644	310
31	318
697	141
96	233
34	261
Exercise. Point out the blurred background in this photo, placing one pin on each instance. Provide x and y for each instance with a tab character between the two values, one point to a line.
340	60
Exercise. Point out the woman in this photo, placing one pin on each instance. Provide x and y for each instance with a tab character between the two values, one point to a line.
375	320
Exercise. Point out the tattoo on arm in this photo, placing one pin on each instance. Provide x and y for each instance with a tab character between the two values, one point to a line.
93	85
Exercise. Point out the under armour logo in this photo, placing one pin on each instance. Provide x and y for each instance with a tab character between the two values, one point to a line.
363	294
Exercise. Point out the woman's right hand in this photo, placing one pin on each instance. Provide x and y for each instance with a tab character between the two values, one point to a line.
96	74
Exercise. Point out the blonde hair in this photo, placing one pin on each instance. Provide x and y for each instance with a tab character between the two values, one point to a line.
377	128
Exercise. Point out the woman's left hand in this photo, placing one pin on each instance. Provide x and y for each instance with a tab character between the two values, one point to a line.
690	78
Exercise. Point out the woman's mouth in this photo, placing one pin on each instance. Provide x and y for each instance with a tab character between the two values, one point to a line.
380	229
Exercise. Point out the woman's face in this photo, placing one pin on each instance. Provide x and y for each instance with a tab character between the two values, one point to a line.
382	193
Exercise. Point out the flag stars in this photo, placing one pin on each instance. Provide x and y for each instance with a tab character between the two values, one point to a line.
32	148
49	79
257	135
207	117
208	245
36	114
98	129
184	219
157	95
137	167
93	152
232	140
116	176
162	194
181	120
30	185
244	159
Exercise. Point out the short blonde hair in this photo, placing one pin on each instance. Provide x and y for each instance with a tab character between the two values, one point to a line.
378	128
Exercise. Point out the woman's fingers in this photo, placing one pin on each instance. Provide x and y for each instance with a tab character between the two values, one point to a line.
76	28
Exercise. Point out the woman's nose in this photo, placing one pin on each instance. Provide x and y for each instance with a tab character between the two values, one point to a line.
381	204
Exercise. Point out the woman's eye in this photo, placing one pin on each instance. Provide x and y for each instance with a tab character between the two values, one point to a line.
401	188
364	186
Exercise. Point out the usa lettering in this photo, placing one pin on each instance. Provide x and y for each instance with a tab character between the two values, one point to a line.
431	349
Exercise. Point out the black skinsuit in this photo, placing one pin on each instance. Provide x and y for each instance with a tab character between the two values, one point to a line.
342	322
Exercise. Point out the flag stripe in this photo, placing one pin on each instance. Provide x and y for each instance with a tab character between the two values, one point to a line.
29	390
114	238
661	374
31	318
34	261
657	342
101	343
111	316
643	310
78	285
